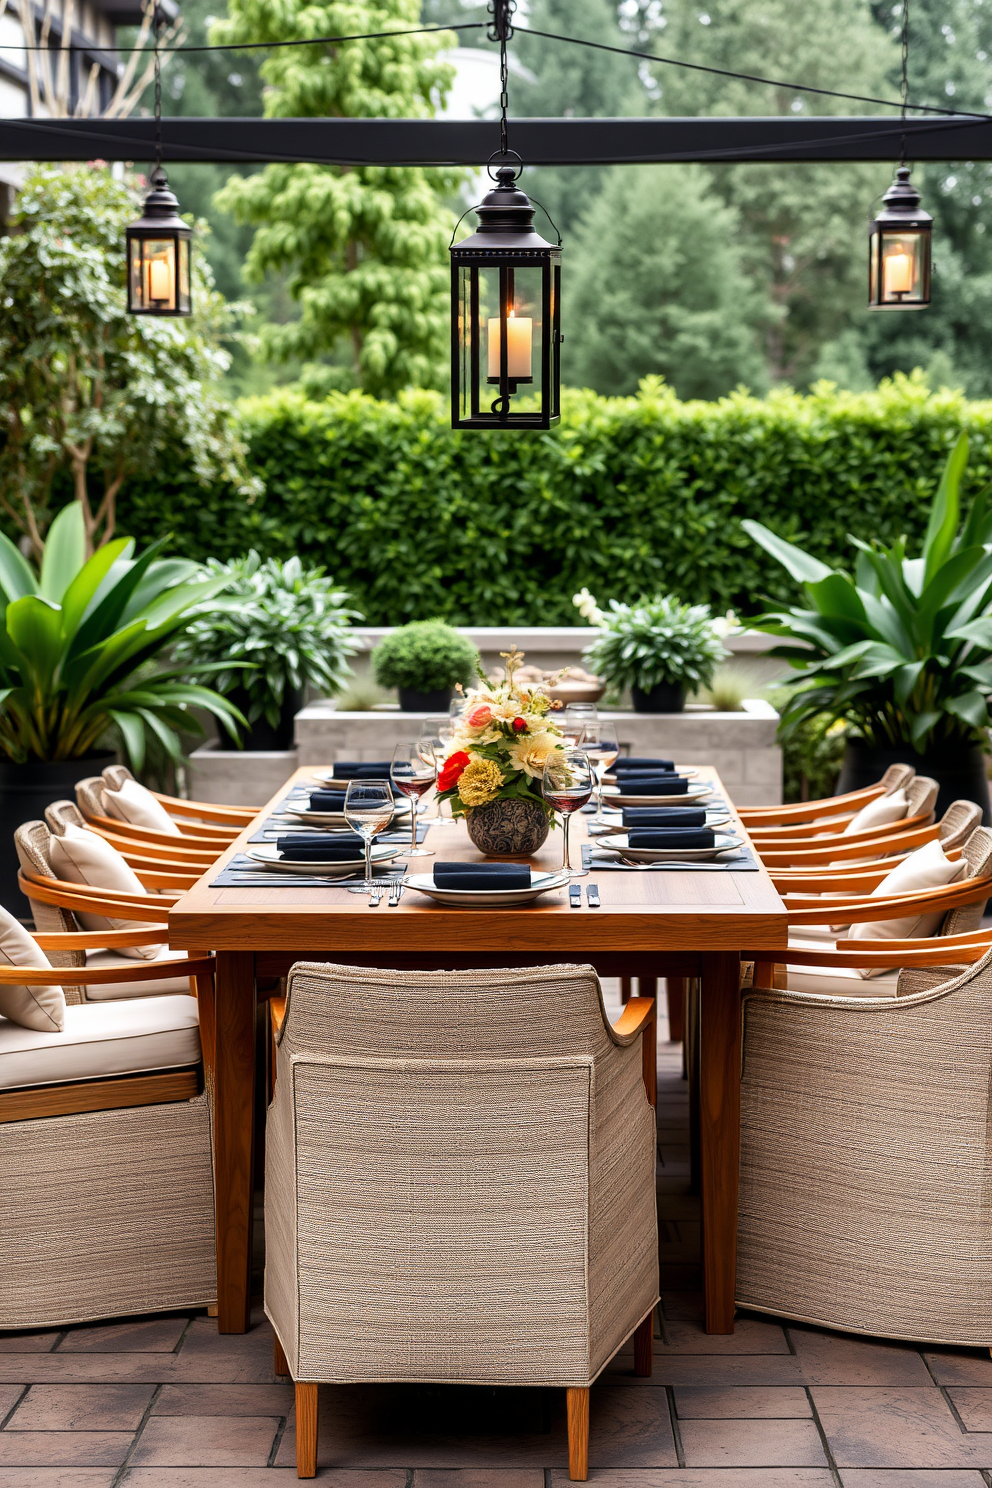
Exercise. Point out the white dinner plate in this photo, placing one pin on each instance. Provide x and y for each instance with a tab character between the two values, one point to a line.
686	771
268	854
333	782
542	883
694	794
336	818
722	844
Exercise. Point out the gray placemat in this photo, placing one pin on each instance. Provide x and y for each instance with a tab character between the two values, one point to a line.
742	862
271	829
243	873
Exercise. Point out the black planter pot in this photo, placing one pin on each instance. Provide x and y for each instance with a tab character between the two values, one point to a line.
667	697
25	791
412	701
960	771
262	735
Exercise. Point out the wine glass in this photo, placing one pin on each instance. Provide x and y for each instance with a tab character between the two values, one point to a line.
575	720
568	782
413	776
436	738
368	810
600	743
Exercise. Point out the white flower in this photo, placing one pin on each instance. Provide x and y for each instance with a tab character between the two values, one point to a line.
587	607
725	625
531	752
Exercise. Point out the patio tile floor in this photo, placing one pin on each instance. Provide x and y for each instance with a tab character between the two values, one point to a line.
169	1403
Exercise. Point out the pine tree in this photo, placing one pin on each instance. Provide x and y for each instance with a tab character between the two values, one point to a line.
365	247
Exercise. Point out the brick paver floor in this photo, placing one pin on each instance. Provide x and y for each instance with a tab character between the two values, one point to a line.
166	1402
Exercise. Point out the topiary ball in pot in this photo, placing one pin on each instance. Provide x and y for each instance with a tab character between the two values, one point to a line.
424	661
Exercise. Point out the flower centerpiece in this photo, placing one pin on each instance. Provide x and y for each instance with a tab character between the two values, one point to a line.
503	739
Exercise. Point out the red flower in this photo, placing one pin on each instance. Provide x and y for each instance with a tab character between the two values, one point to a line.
520	725
451	770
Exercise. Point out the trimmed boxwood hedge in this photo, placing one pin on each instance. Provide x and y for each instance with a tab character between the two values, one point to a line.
628	496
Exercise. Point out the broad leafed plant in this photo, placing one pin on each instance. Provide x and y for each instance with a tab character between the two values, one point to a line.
902	647
79	643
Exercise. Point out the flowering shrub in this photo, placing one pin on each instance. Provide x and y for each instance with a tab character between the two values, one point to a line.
502	742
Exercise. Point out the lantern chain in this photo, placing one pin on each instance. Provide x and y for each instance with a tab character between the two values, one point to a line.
501	30
904	44
156	28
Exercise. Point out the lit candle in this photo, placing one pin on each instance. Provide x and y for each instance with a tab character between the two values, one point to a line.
897	273
519	331
159	280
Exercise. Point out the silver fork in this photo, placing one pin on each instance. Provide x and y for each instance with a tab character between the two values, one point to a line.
375	895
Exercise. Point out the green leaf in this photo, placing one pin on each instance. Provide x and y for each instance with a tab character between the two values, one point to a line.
946	510
16	578
133	734
35	627
65	552
84	586
803	567
970	706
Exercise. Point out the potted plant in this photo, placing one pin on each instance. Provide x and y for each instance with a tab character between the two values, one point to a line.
901	648
424	661
78	668
660	648
502	741
278	629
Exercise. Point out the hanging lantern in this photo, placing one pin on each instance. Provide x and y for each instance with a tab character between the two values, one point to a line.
899	249
505	317
158	250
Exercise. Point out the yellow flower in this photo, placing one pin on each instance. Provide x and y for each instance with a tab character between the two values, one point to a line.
480	782
531	752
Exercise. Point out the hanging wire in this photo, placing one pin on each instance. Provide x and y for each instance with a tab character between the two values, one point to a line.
905	75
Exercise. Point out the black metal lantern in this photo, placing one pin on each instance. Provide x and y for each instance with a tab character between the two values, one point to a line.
158	255
505	317
899	249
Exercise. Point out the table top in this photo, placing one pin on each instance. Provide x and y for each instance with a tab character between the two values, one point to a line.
669	911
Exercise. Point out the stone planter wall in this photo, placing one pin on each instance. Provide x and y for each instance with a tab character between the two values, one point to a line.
238	777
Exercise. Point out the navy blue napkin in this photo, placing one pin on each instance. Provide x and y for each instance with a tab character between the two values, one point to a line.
327	800
664	816
676	837
361	770
482	875
642	762
639	783
299	849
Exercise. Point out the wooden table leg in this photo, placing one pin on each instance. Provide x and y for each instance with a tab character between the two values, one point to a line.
676	1008
719	1132
234	1097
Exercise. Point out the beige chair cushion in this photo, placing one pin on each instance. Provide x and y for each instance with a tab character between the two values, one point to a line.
927	868
113	960
42	1008
841	981
134	804
100	1039
879	813
80	856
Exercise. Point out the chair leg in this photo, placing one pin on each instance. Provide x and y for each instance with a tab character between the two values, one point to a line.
279	1362
644	1347
625	989
306	1430
577	1404
676	1008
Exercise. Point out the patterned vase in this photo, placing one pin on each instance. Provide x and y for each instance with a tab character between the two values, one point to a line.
508	828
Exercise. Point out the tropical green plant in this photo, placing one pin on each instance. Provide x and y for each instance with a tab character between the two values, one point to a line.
901	649
278	629
426	656
658	640
79	642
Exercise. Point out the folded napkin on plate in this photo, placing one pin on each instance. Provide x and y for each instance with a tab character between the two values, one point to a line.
642	762
482	875
639	783
664	816
327	800
676	837
342	848
361	770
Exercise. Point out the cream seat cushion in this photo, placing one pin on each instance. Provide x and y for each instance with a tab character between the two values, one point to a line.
879	813
80	856
927	868
41	1008
113	960
102	1038
841	981
134	804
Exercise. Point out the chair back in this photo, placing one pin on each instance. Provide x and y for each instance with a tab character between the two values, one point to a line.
62	814
957	824
115	776
977	853
90	798
896	778
457	1177
31	843
921	793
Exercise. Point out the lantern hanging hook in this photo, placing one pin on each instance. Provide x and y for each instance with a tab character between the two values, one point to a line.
501	30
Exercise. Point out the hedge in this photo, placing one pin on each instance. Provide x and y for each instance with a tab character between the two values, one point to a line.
628	496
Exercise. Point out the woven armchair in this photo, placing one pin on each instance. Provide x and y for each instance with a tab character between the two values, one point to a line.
459	1184
864	1200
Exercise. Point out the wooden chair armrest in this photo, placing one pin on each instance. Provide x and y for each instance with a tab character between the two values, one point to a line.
156	879
207	811
805	831
890	831
82	976
980	938
810	910
806	811
80	898
154	852
277	1015
827	880
97	940
635	1016
861	846
881	959
110	826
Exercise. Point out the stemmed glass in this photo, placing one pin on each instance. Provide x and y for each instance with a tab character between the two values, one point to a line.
568	783
574	722
435	745
413	776
368	810
600	743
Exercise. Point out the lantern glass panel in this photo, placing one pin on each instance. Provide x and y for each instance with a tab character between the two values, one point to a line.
159	276
185	303
491	296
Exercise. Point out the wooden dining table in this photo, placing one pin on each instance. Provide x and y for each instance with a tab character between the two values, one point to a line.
687	924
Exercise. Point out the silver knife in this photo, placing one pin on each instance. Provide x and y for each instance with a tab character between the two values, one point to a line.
575	895
592	895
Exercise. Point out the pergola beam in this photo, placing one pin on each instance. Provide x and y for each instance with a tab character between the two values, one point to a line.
472	141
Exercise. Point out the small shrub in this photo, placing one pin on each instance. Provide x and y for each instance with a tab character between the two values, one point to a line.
426	656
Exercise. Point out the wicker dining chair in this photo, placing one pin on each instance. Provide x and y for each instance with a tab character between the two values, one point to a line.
865	1201
460	1184
896	777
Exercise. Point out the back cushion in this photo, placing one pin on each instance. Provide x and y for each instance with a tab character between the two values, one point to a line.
879	813
82	857
927	868
134	804
41	1008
